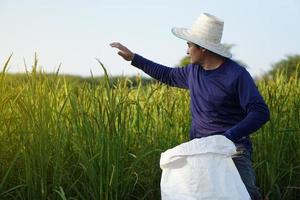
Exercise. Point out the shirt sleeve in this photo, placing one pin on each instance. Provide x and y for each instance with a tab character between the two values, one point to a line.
256	111
176	77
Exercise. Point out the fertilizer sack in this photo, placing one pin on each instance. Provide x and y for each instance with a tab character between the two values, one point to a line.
201	169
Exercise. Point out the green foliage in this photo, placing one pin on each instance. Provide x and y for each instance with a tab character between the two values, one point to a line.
63	138
85	140
289	66
133	81
277	158
184	61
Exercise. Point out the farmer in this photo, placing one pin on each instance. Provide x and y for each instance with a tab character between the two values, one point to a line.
224	98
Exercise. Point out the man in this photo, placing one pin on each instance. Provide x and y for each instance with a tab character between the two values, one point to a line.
224	97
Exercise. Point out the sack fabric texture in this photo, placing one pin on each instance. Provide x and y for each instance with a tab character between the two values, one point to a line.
201	169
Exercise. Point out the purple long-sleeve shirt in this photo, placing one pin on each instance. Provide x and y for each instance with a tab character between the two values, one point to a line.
223	101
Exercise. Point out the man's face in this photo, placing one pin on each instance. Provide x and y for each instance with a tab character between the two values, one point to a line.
195	53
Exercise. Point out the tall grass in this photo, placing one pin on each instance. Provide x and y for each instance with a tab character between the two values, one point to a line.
277	155
60	140
90	141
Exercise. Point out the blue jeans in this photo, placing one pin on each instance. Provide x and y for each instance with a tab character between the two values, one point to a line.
243	163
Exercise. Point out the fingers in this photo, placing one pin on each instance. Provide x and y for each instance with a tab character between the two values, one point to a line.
118	46
114	44
124	51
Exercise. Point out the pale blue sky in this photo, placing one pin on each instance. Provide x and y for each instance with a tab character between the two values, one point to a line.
75	32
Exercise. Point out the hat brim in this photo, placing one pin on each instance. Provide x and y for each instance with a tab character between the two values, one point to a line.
185	34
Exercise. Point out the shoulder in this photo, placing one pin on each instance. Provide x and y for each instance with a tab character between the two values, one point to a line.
234	69
236	75
233	65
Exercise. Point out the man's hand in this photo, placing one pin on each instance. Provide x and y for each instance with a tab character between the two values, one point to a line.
124	51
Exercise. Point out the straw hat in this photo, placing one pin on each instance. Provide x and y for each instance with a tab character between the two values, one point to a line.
206	32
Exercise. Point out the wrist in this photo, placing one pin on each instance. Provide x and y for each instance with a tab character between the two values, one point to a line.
228	135
131	56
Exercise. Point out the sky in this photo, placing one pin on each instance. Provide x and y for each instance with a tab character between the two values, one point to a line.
74	33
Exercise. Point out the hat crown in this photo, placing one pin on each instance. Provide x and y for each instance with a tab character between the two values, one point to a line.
208	28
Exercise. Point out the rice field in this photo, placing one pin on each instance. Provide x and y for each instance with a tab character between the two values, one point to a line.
98	140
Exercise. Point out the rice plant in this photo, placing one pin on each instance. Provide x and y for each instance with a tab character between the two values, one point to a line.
98	140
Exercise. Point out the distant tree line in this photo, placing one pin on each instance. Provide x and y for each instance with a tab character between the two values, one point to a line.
290	66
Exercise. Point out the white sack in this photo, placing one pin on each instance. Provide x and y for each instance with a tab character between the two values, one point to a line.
201	169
